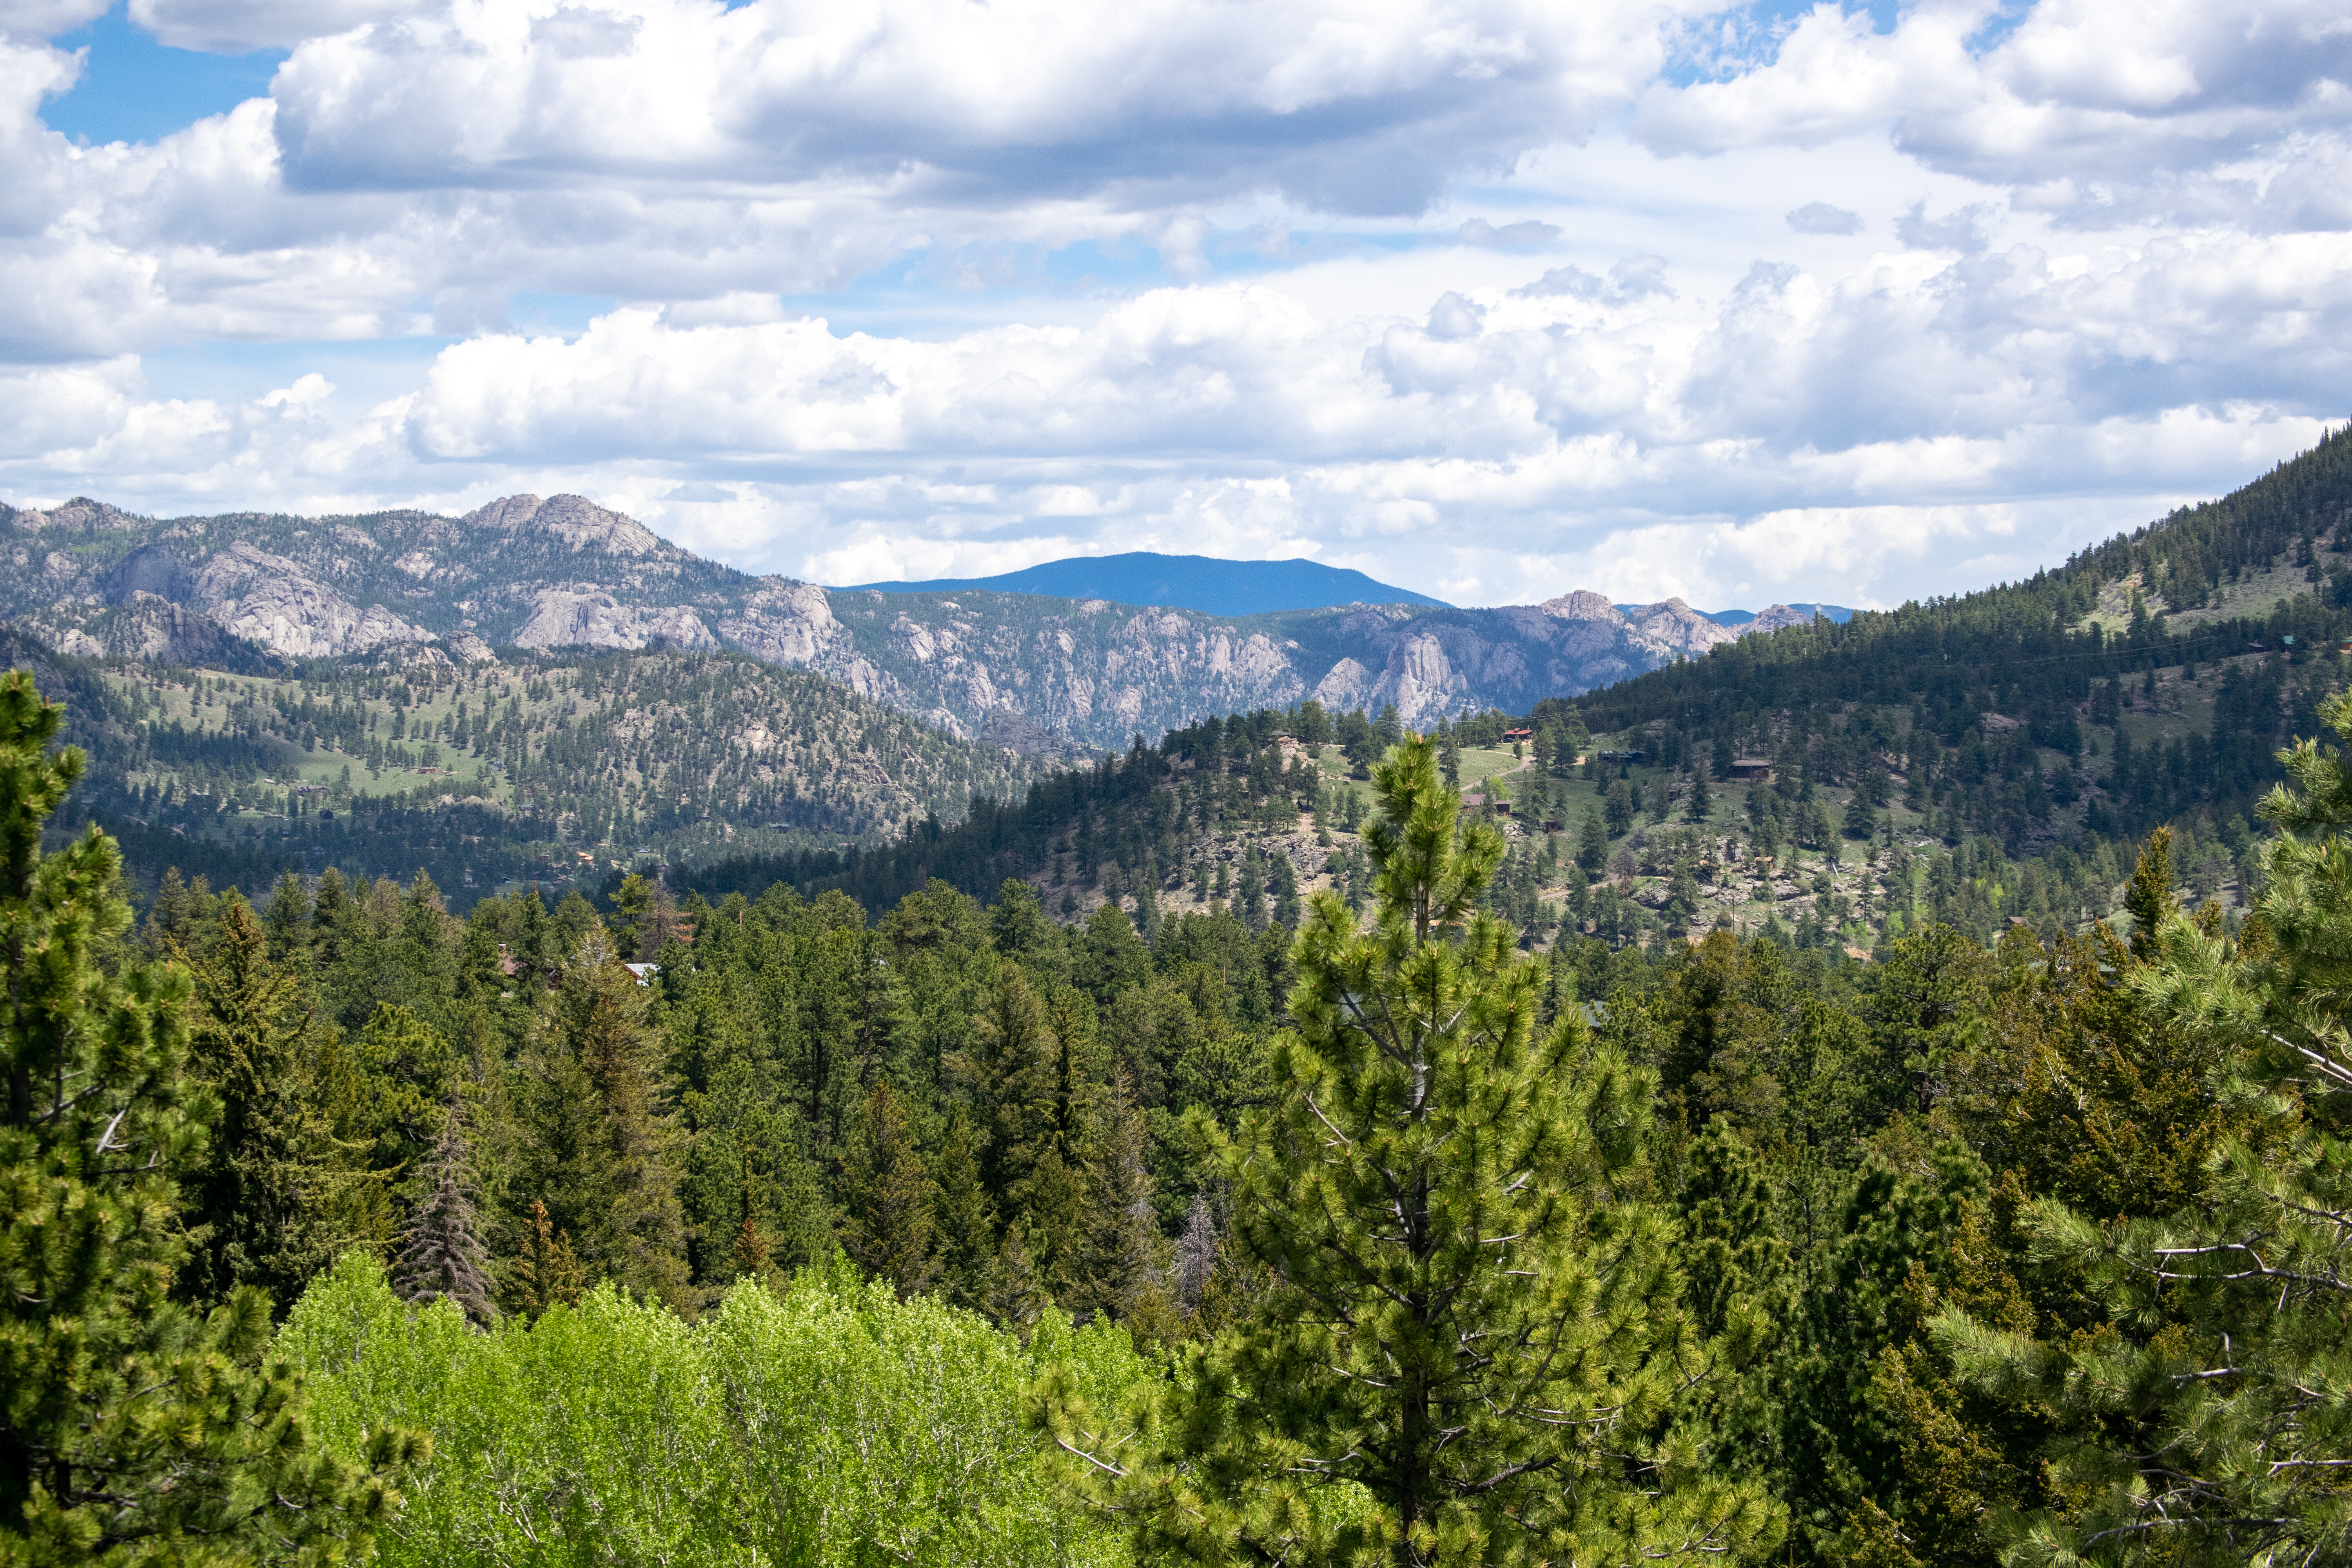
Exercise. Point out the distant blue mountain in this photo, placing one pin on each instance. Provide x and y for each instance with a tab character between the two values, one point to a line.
1185	582
1837	612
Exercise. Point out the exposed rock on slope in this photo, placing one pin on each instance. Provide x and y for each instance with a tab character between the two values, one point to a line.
563	572
1777	617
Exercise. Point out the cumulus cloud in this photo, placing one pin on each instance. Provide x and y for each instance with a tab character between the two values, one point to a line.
2115	274
2110	111
46	18
1527	233
1820	217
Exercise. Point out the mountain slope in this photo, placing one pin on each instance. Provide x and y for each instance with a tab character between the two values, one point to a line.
544	769
1182	582
562	573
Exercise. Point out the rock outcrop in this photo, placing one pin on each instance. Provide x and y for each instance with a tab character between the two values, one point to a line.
565	573
269	600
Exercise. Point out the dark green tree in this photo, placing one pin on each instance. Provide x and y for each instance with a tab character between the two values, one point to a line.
132	1429
1476	1322
266	1195
2211	1422
892	1201
1592	845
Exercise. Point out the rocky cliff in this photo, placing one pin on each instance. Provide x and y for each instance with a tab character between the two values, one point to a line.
535	573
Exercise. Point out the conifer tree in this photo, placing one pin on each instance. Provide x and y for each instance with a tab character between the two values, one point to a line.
1592	845
548	1273
2212	1421
1125	1279
1474	1321
967	1224
2148	899
1008	1069
596	1144
442	1257
131	1428
892	1206
266	1195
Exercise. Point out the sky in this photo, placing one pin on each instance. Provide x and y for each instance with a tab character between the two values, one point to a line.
1491	300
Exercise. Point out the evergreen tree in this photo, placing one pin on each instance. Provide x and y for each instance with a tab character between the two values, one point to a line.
2211	1421
1700	805
597	1146
132	1429
547	1274
892	1201
1861	817
1475	1322
1124	1277
967	1227
1617	807
442	1257
1592	845
2148	899
1008	1069
267	1197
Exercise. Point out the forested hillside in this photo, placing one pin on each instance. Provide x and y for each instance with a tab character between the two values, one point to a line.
785	1245
1875	1095
551	769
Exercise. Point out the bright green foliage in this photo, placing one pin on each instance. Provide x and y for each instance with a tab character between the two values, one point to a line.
834	1426
2212	1421
1477	1345
131	1428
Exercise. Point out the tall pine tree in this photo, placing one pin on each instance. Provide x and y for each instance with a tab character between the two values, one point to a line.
1472	1321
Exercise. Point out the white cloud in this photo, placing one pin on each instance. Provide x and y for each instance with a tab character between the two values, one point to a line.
1821	218
2106	110
1836	318
48	19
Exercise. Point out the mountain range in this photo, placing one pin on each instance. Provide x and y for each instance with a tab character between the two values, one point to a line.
1032	671
1204	582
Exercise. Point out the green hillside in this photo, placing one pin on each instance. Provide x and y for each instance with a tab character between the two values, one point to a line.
551	770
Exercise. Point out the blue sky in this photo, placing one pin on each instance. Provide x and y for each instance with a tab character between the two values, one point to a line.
1493	299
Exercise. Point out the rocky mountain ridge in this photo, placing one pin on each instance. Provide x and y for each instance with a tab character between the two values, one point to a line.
562	573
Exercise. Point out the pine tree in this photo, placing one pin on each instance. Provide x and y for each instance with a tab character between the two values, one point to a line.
547	1274
127	1421
966	1227
2211	1421
1124	1276
442	1257
2148	899
1015	1296
1700	805
1009	1070
892	1205
1592	845
597	1146
267	1197
1475	1322
1861	817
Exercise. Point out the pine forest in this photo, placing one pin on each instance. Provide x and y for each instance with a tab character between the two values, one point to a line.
1877	1094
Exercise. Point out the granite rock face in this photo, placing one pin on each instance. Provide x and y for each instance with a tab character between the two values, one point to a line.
561	573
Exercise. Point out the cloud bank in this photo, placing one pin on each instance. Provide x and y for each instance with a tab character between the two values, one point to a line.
1495	299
